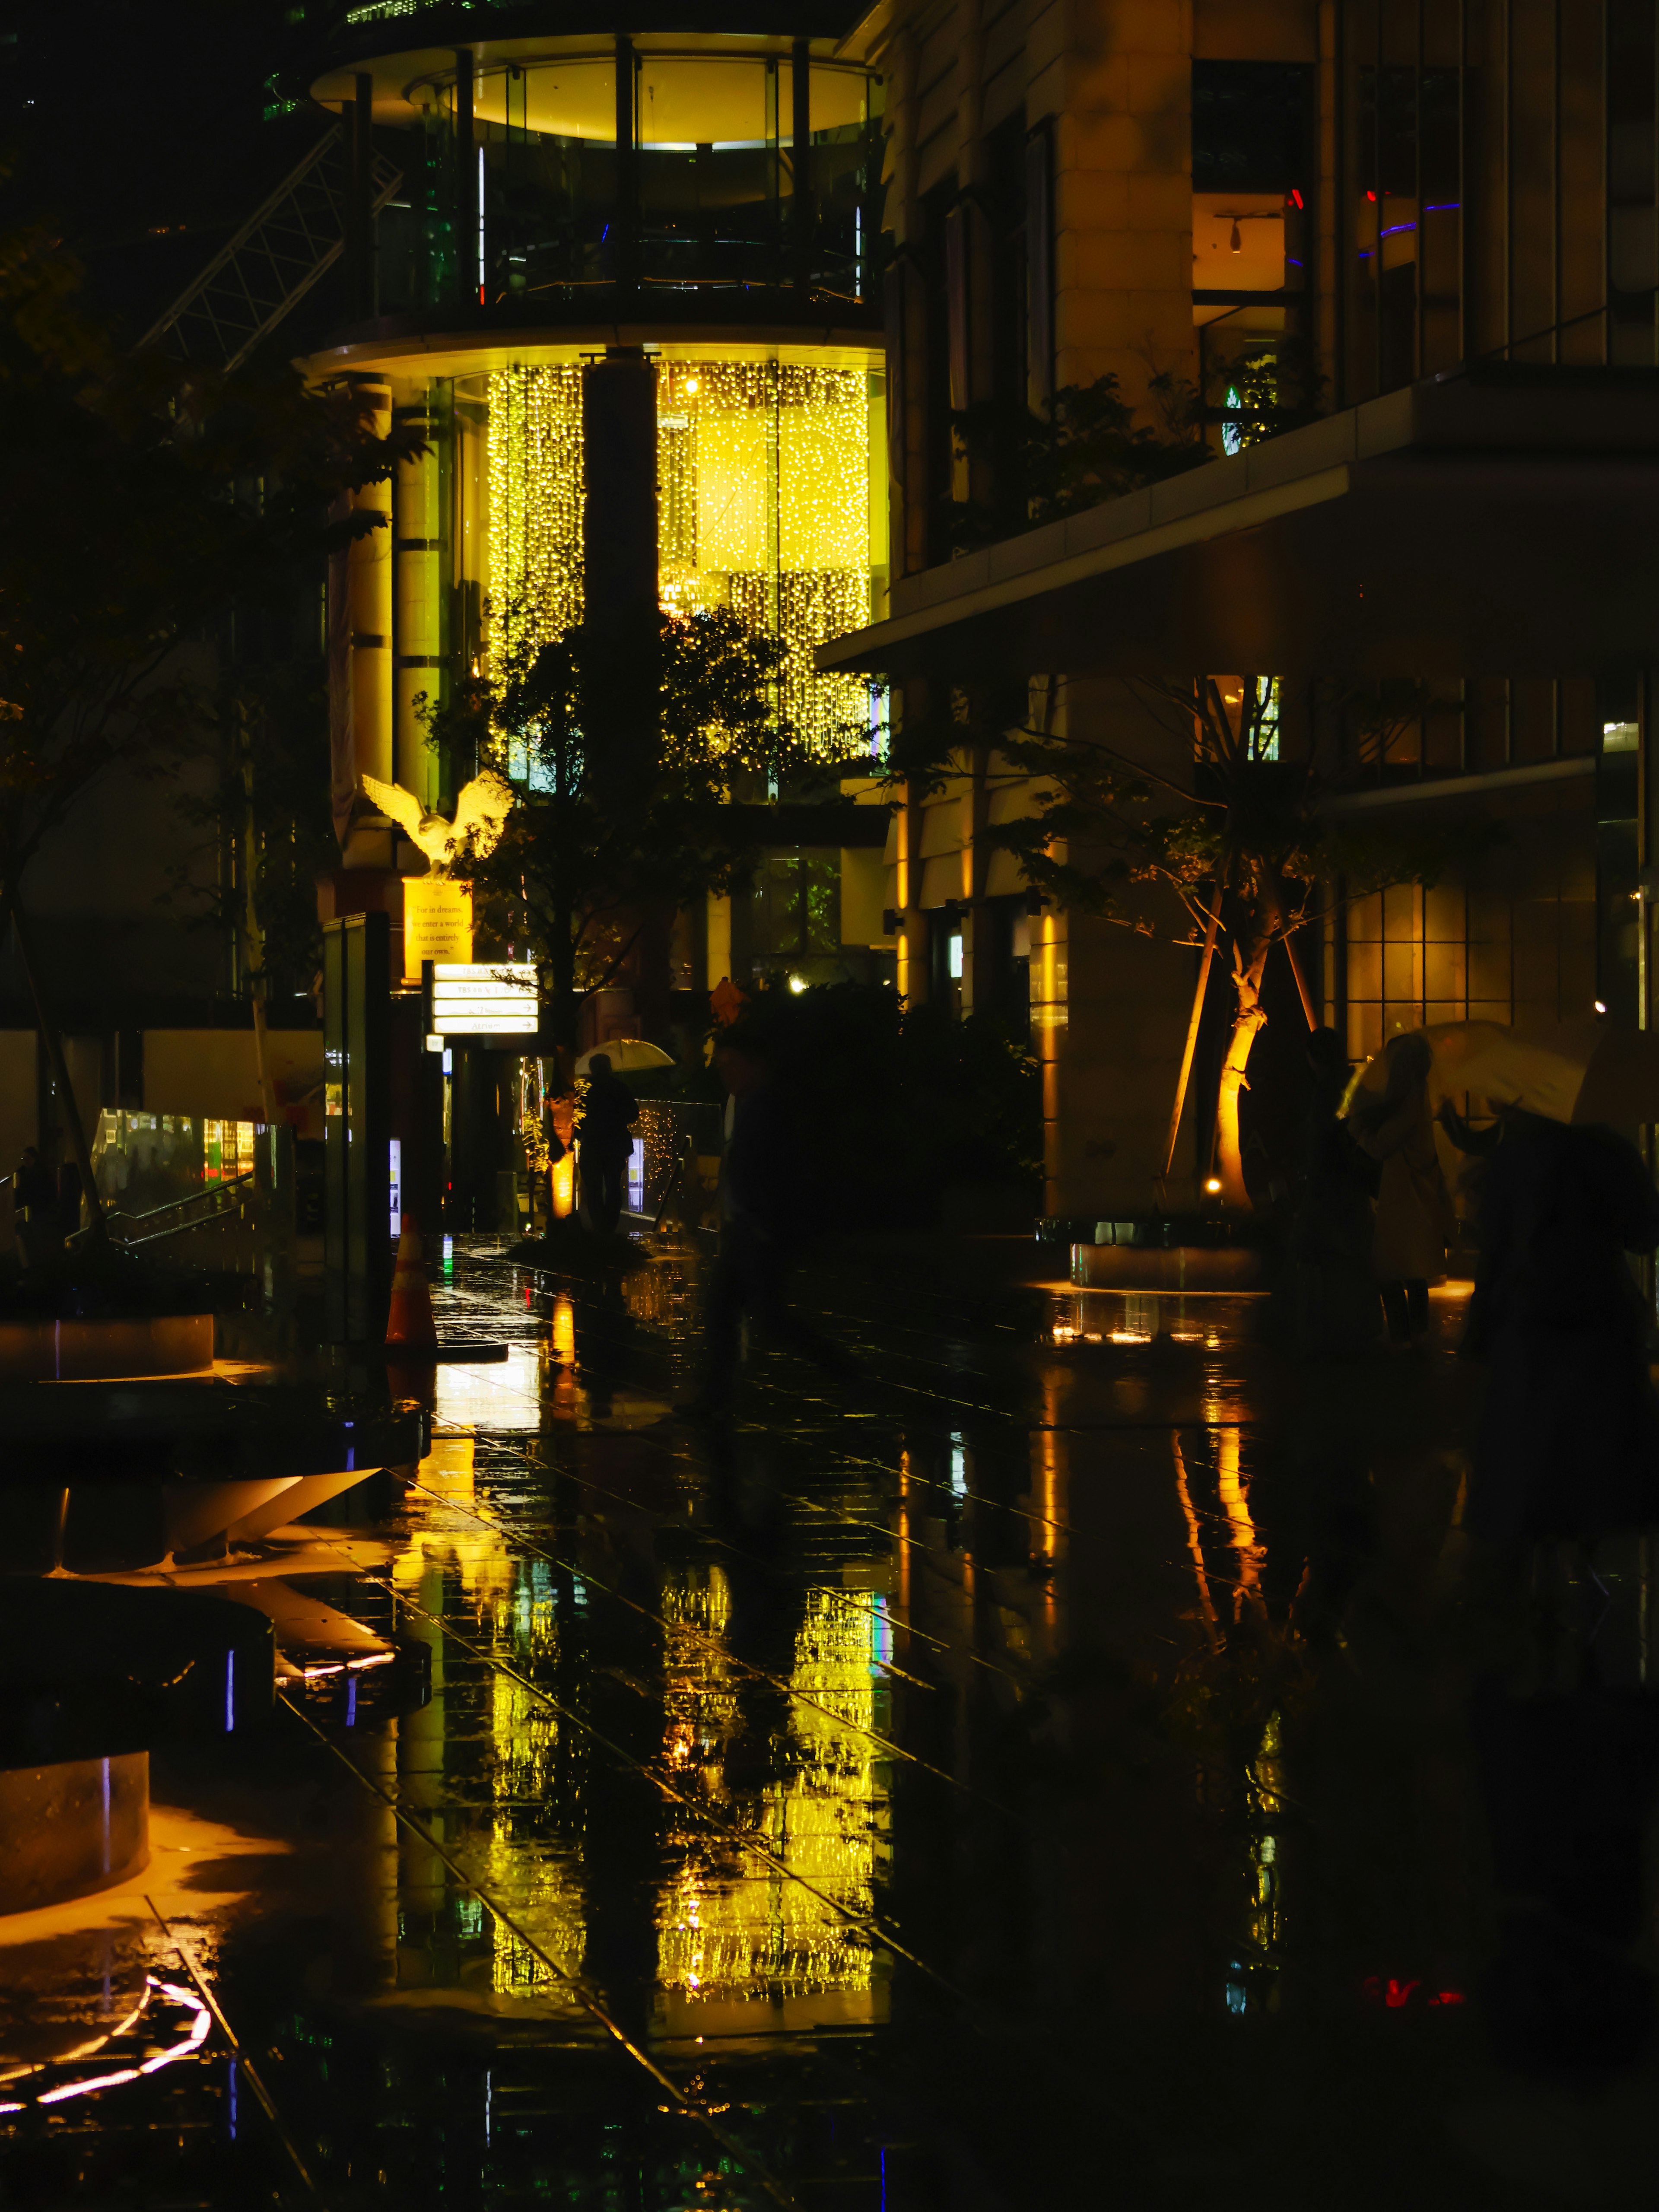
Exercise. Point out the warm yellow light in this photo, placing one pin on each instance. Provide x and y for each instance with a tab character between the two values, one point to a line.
564	1187
535	468
763	507
797	984
1212	1183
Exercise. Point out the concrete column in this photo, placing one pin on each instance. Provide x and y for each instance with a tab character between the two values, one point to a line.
416	586
368	599
619	556
1122	176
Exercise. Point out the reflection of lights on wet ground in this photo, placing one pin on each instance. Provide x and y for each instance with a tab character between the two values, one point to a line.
188	2044
564	1331
347	1666
492	1394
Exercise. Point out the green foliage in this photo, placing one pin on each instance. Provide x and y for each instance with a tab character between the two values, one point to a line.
1252	833
1085	448
265	801
614	819
893	1104
141	500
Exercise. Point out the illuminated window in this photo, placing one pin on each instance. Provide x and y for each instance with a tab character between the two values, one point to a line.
1264	739
1233	437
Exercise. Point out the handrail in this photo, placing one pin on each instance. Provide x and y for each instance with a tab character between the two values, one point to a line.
113	1214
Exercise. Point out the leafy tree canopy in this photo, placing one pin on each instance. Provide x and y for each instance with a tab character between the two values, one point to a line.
613	821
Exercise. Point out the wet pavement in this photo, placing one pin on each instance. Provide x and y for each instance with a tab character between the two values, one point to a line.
1070	1763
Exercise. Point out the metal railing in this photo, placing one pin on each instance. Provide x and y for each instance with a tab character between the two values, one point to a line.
212	1198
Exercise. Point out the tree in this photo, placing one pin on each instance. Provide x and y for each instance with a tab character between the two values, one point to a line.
595	842
266	827
141	500
1082	447
1245	854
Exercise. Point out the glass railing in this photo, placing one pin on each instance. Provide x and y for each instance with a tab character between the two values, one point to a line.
712	201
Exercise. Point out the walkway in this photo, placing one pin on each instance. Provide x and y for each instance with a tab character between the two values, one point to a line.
1041	1774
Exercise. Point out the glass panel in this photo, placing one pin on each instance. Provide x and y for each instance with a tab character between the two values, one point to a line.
764	506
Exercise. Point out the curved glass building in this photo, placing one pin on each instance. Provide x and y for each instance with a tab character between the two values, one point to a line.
590	260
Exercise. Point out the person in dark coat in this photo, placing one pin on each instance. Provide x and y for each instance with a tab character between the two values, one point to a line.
1568	1445
1334	1312
1413	1216
606	1134
39	1224
761	1199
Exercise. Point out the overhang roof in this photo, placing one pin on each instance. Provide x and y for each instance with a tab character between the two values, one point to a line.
1503	523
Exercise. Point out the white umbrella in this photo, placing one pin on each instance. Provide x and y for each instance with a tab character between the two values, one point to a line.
628	1056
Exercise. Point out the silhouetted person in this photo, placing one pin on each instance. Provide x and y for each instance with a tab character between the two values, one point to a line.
34	1209
1414	1211
1334	1309
760	1201
1569	1440
608	1112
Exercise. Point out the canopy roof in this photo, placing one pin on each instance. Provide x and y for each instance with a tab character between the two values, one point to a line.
1491	522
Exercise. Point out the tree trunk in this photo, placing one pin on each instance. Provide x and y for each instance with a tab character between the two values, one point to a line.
561	968
1247	1021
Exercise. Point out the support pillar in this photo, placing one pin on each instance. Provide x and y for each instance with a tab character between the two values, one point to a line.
368	607
417	661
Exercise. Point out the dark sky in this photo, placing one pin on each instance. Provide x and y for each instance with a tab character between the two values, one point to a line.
127	122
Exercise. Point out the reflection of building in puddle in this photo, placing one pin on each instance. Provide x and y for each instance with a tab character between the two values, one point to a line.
660	1295
503	1394
741	1945
1251	1984
477	1763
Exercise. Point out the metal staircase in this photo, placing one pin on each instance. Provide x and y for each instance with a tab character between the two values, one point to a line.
258	275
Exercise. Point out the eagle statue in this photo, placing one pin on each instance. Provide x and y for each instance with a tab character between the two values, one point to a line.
481	812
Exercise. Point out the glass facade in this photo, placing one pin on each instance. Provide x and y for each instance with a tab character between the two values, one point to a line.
771	476
534	185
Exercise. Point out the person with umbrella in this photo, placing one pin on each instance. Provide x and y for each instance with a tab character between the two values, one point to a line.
1394	1124
605	1133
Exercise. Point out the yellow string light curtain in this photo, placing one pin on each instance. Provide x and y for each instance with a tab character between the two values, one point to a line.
535	463
763	496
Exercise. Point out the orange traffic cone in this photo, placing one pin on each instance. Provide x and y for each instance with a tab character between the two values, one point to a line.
409	1326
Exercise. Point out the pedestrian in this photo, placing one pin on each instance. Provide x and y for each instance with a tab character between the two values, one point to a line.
1568	1445
762	1186
1334	1306
1413	1218
605	1134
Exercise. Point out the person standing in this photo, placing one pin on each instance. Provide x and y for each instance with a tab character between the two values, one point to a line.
1333	1307
761	1205
1413	1208
606	1133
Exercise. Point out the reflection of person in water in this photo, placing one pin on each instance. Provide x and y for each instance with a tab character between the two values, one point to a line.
1569	1440
1567	1458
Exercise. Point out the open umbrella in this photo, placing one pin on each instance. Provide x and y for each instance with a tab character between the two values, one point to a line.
628	1056
1579	1071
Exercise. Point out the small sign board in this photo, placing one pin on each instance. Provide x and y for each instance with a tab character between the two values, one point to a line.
484	999
437	923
